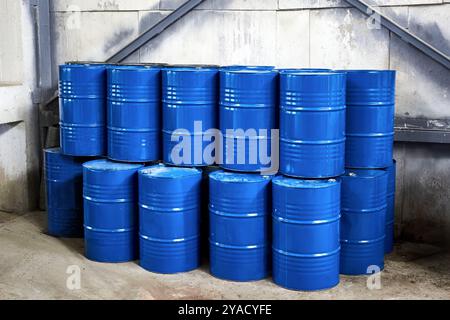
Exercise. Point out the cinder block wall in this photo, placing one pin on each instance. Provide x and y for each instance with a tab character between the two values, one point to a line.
295	33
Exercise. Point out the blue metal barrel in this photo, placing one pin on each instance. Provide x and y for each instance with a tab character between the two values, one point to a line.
239	209
312	123
169	215
248	113
370	118
134	113
189	113
82	107
306	246
363	220
110	210
390	212
64	183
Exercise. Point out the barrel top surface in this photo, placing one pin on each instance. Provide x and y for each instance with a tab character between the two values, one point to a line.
287	70
143	64
85	65
140	68
191	68
366	71
310	73
236	177
241	67
364	173
166	172
107	165
304	184
250	70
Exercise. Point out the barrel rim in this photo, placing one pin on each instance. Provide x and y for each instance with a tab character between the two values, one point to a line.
144	64
379	173
85	65
134	68
296	183
303	73
191	67
119	166
145	172
215	175
368	71
239	67
304	69
246	71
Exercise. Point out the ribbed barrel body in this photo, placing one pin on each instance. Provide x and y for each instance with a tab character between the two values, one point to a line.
312	123
82	105
169	215
306	246
370	118
239	209
134	113
248	113
64	186
363	220
110	210
390	211
189	113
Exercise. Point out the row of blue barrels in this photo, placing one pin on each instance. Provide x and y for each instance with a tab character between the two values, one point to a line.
328	120
317	232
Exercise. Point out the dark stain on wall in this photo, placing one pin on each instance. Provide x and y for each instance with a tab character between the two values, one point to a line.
118	37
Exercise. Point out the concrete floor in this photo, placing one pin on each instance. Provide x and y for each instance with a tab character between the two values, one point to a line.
33	266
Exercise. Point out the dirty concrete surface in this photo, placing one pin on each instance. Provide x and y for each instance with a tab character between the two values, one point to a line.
34	265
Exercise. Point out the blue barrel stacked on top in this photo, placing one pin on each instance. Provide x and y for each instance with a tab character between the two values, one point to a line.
169	216
370	118
239	225
363	221
306	246
64	192
248	114
312	123
110	210
82	105
189	113
134	113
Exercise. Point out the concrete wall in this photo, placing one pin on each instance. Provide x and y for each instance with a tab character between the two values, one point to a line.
19	137
294	33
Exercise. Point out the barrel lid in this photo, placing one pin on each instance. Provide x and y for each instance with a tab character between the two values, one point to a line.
250	70
133	67
190	67
89	62
366	71
287	70
162	171
226	176
108	165
240	67
310	72
364	173
143	64
304	184
89	65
